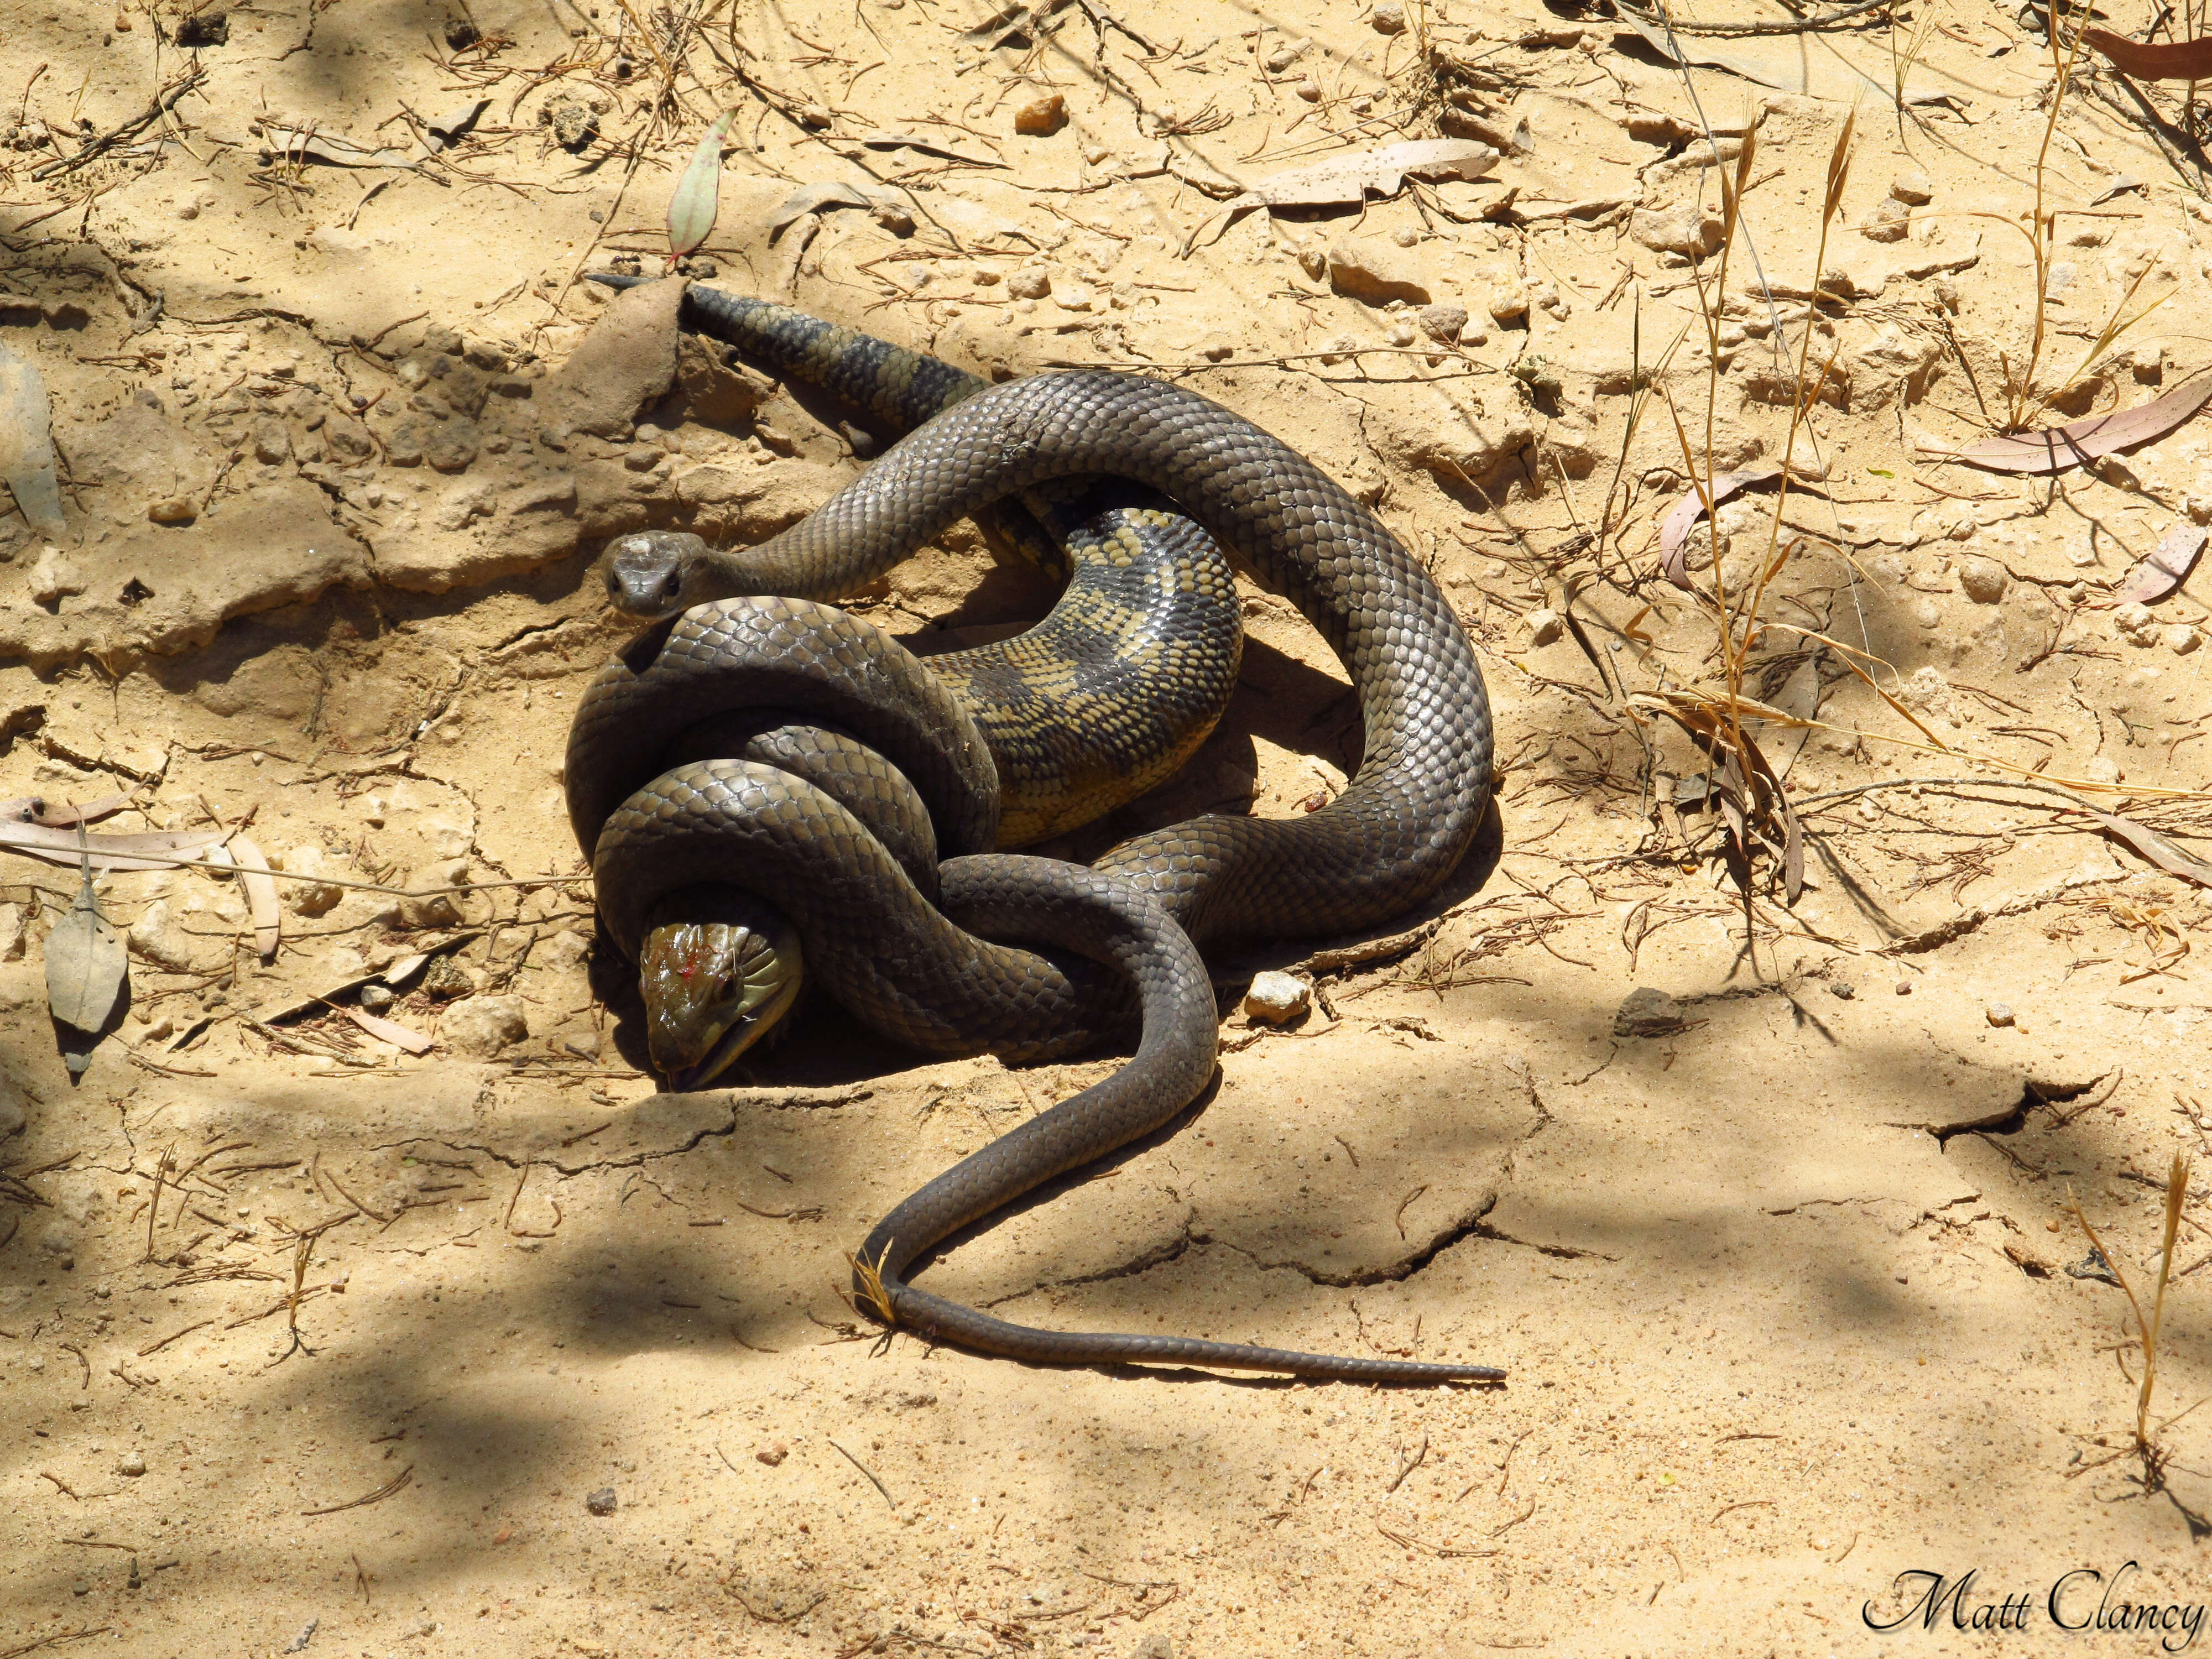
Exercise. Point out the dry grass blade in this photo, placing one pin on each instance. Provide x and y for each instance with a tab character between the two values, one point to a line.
2147	1327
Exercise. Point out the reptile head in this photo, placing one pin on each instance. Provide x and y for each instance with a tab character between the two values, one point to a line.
718	970
652	575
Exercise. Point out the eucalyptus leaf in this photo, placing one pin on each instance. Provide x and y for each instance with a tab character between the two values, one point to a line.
692	210
86	971
26	444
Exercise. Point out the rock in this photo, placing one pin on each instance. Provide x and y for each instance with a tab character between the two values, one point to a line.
445	979
1912	189
375	998
563	950
1389	17
715	390
1646	1012
481	1026
1401	333
1688	230
449	445
273	444
1314	263
174	510
772	1455
1308	89
1376	272
1998	1014
601	1501
1888	223
1981	580
1842	990
1443	323
1155	1645
625	363
434	909
2133	623
54	578
1544	626
1508	308
1276	997
307	898
1904	988
133	1464
1926	613
1031	282
1042	116
2102	769
574	123
11	932
161	938
2181	639
1286	55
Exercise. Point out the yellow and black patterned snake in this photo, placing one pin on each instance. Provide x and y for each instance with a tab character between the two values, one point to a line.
783	828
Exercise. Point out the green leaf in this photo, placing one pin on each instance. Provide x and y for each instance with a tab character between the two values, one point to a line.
692	210
1882	472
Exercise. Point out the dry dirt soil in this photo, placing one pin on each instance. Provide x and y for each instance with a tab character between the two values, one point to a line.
311	1345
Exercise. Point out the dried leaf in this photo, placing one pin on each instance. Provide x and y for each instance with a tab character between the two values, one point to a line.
37	808
297	144
885	139
260	895
1346	180
2154	60
2079	442
451	129
2156	849
26	444
386	1031
692	210
814	197
2165	568
1683	516
86	969
132	852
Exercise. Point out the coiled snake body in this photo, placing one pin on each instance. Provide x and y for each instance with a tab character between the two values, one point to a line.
1394	835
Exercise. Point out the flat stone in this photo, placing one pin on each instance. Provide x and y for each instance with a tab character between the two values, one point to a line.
1647	1012
481	1026
1376	272
1443	323
1688	230
627	363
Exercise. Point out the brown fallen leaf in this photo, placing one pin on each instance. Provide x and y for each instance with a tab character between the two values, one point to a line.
386	1031
129	852
837	193
261	895
1347	180
1683	516
2153	847
2165	568
37	808
2154	60
2079	442
297	144
88	970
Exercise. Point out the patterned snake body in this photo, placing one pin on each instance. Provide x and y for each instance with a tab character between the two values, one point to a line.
1388	840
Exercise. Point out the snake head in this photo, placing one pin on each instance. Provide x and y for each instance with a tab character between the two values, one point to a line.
718	970
650	576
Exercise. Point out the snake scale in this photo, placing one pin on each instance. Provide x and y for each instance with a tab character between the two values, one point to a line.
917	972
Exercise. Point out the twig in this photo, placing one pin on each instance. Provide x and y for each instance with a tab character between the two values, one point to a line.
864	1469
376	1496
130	128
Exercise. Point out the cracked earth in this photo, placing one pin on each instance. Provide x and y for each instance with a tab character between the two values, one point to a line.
313	1344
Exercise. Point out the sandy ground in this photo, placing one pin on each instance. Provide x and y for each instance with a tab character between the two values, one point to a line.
308	1345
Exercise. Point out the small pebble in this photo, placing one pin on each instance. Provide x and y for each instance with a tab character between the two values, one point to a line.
133	1465
1443	323
601	1501
375	998
1544	627
2181	639
1647	1012
1999	1014
1276	996
772	1455
1981	580
1043	118
1029	283
1390	17
1310	90
1842	989
1912	189
174	510
1904	988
